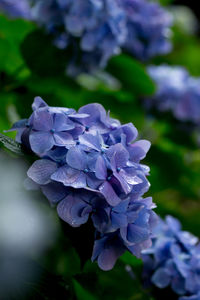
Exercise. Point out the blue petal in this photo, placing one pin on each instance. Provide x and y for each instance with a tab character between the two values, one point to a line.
41	171
109	194
41	142
161	278
38	103
76	158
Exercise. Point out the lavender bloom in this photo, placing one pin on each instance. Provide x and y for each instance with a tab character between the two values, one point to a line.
89	167
177	92
97	27
148	29
96	30
174	259
16	9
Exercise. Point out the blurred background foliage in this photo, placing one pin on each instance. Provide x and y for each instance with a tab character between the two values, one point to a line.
31	66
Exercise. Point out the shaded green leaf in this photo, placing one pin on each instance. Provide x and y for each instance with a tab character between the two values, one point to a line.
130	259
81	293
41	56
131	74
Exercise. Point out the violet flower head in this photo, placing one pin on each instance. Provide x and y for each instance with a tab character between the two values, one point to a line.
89	168
148	26
96	30
177	92
173	260
96	27
16	9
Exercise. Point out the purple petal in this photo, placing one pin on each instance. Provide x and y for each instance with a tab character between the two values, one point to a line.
138	150
100	168
161	278
98	248
91	141
130	131
122	206
64	210
95	111
70	177
119	220
91	160
108	258
178	285
18	125
138	248
41	171
38	103
100	220
173	224
120	156
76	158
130	176
41	142
123	182
109	194
137	234
42	120
63	138
80	212
78	116
77	131
92	181
61	123
55	192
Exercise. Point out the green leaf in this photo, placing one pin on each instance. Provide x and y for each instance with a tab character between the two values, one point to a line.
81	293
10	144
42	57
15	30
132	75
130	259
12	32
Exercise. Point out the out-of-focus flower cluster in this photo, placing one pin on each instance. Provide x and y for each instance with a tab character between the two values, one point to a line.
177	92
148	27
16	9
96	30
101	28
174	260
89	167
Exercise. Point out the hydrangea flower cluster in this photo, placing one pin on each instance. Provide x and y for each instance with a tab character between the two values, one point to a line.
177	92
148	27
89	167
174	260
96	30
16	9
96	27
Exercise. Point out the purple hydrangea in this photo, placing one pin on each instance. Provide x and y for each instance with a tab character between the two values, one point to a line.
148	27
177	92
97	27
174	259
96	30
16	8
90	168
